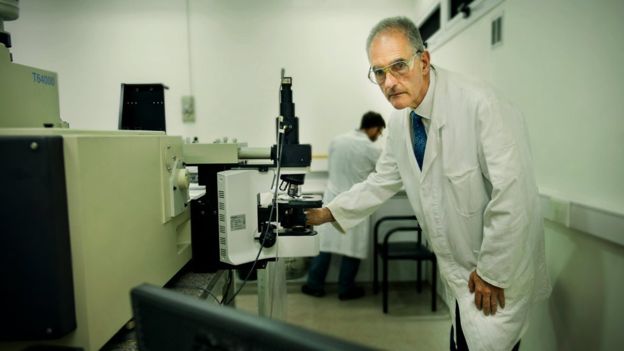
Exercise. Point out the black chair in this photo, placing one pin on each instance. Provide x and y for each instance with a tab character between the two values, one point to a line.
377	245
404	251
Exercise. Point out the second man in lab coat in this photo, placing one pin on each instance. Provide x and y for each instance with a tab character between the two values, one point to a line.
352	157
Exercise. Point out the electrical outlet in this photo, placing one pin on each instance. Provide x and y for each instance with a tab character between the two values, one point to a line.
559	211
562	211
188	108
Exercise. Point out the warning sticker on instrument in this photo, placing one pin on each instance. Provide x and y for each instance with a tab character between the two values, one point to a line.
237	222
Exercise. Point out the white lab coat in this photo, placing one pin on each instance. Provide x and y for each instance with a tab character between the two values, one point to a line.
352	157
476	200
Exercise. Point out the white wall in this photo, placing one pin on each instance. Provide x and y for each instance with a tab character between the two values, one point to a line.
560	63
237	49
585	309
240	47
423	7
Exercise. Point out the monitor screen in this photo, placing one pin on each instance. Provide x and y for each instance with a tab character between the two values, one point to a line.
169	320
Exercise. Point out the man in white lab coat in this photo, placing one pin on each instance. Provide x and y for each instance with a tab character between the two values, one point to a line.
462	155
352	157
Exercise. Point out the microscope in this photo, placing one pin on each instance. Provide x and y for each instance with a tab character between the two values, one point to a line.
253	208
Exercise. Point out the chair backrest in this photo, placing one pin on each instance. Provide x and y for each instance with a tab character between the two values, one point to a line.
391	218
403	229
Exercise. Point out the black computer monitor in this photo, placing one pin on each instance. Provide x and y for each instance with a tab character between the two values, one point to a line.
169	320
142	107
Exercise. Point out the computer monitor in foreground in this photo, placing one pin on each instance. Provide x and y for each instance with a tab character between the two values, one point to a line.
168	320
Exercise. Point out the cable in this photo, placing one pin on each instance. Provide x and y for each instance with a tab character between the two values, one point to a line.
228	282
273	276
266	229
205	291
188	46
280	146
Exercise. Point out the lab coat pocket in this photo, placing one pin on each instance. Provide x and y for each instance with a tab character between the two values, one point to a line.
467	191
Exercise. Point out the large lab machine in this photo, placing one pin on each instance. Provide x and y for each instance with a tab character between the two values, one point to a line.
83	219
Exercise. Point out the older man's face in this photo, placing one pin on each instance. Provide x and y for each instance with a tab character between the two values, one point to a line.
404	90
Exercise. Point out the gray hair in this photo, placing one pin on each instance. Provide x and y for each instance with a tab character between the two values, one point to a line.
401	24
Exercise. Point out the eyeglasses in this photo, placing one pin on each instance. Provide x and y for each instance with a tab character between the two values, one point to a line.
397	69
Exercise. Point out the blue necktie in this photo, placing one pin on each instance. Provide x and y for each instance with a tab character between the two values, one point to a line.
420	138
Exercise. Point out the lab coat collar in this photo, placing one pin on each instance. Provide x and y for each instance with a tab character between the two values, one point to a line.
360	133
438	119
425	108
438	110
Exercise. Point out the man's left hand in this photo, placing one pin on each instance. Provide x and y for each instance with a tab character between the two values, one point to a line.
487	296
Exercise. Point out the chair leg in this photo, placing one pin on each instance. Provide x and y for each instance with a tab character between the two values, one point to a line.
375	268
419	276
434	281
384	288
